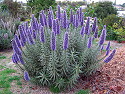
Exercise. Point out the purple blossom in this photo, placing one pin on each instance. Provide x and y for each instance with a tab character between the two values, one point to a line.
96	33
108	46
58	27
34	23
89	43
16	48
82	31
49	19
26	76
53	41
65	20
34	34
15	58
80	14
110	56
102	37
107	52
42	36
76	21
102	47
51	11
58	12
82	19
30	38
65	41
54	25
21	59
22	35
44	19
71	16
17	40
41	19
94	25
87	27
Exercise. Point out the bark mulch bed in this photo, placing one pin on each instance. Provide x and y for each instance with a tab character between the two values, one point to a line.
110	79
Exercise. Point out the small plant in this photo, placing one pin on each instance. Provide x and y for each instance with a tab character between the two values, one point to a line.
55	52
83	92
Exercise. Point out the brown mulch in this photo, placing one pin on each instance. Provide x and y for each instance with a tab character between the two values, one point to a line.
110	79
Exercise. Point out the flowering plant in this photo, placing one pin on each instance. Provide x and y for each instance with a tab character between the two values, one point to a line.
55	51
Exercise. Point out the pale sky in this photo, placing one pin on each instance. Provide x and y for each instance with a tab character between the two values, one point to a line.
117	1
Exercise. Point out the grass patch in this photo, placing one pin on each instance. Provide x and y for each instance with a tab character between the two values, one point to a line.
6	79
2	57
7	71
1	67
5	91
87	91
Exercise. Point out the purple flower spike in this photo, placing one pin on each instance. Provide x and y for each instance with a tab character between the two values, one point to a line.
107	52
89	43
16	48
65	20
96	33
51	11
102	37
76	21
41	19
17	40
30	38
44	18
102	47
53	41
65	41
94	25
82	19
34	23
49	19
82	31
34	34
58	12
26	76
87	26
42	36
15	58
22	35
21	59
54	26
71	16
58	28
110	56
108	46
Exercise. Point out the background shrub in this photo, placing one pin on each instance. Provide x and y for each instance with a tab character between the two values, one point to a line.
103	9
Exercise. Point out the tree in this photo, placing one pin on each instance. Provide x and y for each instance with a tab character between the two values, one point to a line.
103	9
12	6
38	5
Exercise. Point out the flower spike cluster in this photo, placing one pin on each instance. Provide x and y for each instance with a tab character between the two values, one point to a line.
56	49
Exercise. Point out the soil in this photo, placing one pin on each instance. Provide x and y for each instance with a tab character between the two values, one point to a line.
109	79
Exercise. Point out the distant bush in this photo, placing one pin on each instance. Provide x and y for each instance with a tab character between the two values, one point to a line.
111	19
7	31
103	9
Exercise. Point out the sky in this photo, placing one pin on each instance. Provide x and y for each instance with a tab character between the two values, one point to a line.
117	1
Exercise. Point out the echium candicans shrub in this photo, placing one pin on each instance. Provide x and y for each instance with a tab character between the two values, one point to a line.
56	51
